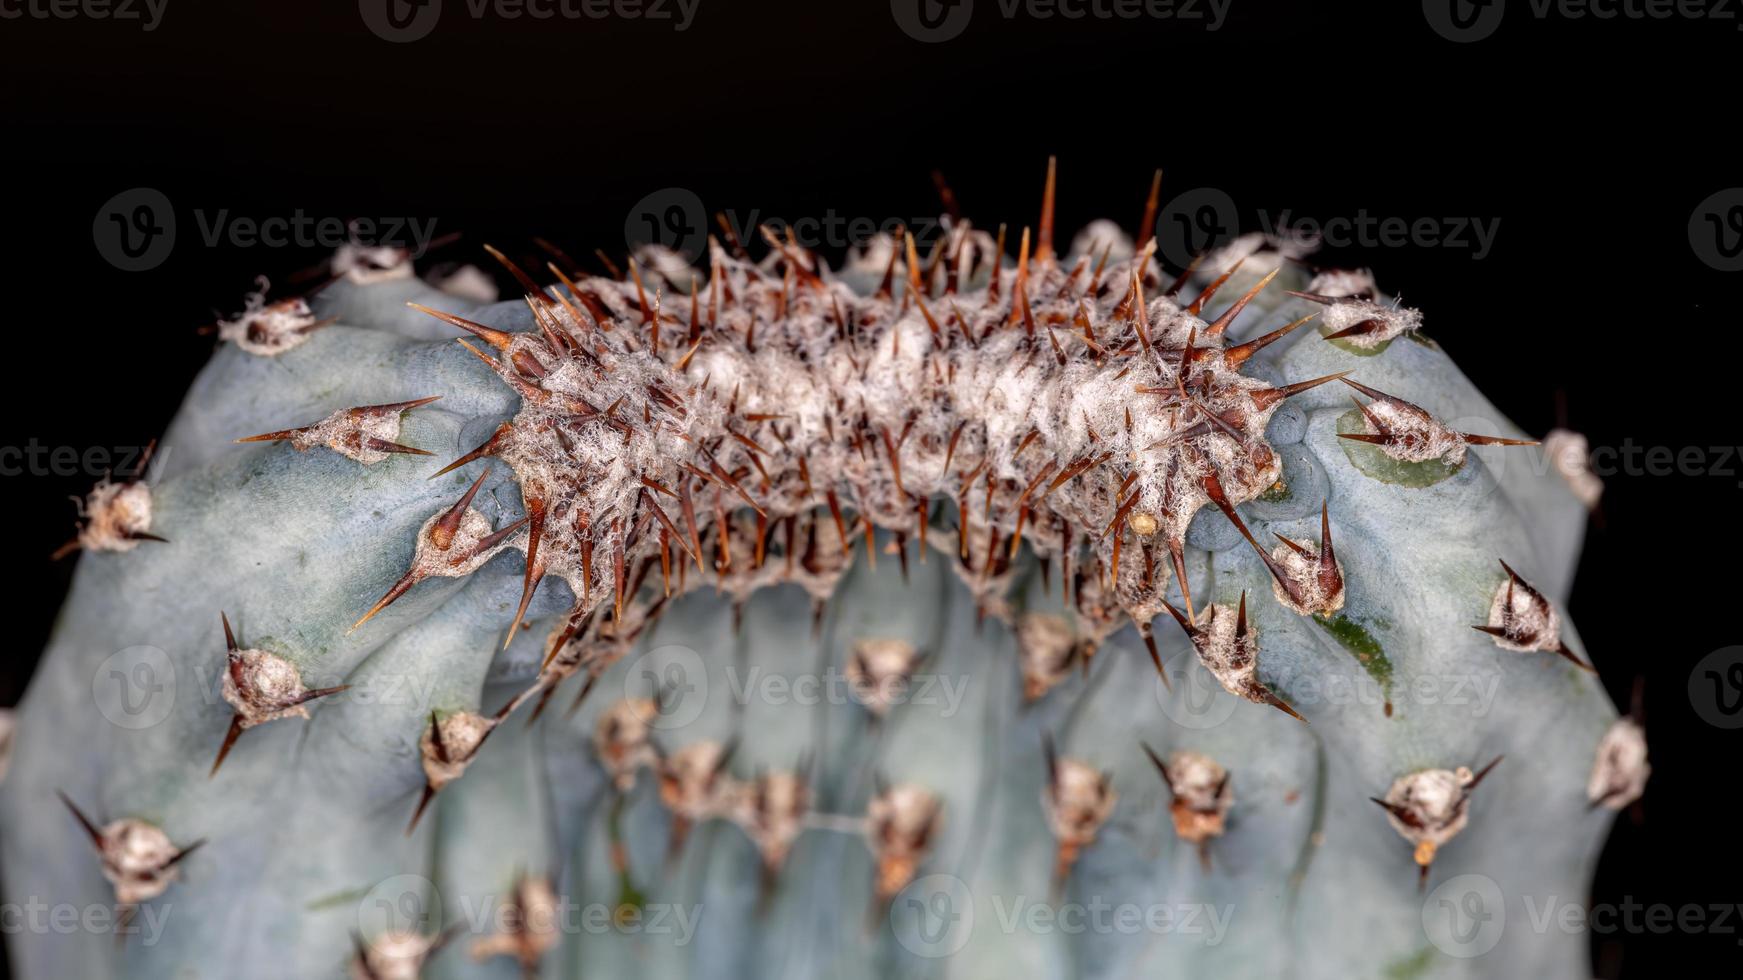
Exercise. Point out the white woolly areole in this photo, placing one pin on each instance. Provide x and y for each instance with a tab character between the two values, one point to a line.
531	925
136	859
350	432
771	811
621	739
1078	802
1620	771
1429	807
467	282
268	329
1527	620
1232	659
1203	795
662	265
1317	592
1047	647
115	514
1382	322
1355	283
693	781
264	687
462	734
1256	253
366	265
395	955
901	823
1570	454
878	671
1102	235
467	551
1412	434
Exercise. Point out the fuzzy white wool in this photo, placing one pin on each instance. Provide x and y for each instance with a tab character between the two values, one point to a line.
264	687
1381	323
1570	454
1435	801
268	329
136	858
115	515
1412	435
394	955
1078	802
467	282
1620	770
1311	595
1527	620
1199	782
463	732
1358	283
1047	647
369	264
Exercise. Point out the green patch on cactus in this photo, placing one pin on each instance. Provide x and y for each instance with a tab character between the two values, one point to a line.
1349	348
1355	638
630	901
1374	462
1411	967
339	899
1276	493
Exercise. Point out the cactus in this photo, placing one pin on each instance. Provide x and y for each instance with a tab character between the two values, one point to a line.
937	615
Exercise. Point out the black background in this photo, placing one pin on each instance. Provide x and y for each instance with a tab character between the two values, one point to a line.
1592	141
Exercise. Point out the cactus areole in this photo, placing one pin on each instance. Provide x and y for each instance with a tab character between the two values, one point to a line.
1136	587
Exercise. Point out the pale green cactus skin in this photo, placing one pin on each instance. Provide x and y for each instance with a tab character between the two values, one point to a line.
307	817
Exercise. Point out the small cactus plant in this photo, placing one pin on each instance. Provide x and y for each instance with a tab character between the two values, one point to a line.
1061	529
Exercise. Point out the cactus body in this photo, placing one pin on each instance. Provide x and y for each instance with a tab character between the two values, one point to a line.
962	493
